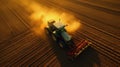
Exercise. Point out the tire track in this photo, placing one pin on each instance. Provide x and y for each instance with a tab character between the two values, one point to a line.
36	56
25	52
10	52
102	8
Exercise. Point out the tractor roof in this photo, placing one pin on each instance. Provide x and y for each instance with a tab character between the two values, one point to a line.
58	25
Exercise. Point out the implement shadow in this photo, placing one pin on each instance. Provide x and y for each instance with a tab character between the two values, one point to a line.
88	58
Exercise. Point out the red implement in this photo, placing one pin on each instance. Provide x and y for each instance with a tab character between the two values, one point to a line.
78	48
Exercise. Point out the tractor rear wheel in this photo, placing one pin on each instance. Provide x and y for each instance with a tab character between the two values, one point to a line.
61	44
54	38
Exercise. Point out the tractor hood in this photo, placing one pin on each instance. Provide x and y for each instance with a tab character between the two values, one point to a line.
66	36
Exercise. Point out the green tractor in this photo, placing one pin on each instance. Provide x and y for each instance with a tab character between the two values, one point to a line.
59	34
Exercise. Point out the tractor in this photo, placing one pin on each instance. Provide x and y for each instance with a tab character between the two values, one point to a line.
60	35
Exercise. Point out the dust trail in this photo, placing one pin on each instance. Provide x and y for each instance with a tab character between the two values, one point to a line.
41	15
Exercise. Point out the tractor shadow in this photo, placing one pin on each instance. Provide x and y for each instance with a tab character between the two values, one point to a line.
88	58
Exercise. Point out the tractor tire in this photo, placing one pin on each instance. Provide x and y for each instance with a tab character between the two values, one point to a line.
61	44
54	38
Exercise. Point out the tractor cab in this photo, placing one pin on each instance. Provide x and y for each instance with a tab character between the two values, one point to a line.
58	32
61	30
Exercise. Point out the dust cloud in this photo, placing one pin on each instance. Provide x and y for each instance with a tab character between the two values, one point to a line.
40	15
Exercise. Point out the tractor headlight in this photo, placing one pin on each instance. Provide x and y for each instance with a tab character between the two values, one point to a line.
54	32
